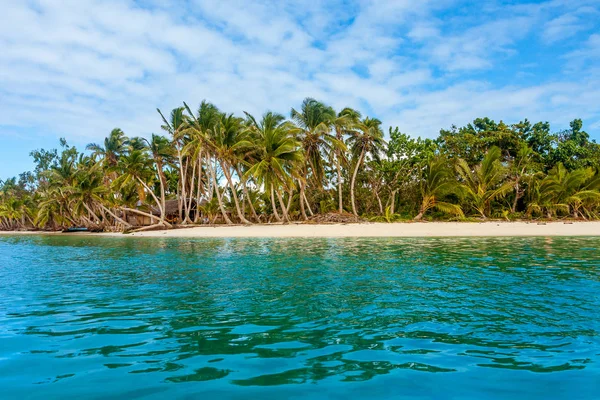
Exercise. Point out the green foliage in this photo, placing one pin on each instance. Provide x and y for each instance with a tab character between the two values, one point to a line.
233	169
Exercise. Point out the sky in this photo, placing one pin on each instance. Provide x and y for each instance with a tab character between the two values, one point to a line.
79	68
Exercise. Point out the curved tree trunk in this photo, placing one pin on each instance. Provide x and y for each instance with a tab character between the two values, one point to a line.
247	195
339	174
379	201
188	201
274	205
198	188
393	202
302	209
307	204
182	184
162	180
289	202
160	207
145	214
125	223
282	204
352	182
227	173
219	198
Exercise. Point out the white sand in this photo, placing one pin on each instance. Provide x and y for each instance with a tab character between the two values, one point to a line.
418	229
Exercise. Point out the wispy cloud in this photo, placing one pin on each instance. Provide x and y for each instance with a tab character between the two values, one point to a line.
79	68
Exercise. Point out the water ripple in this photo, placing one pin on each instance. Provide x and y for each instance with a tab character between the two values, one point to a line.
256	317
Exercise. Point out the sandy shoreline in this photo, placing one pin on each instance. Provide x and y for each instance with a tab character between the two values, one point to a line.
430	229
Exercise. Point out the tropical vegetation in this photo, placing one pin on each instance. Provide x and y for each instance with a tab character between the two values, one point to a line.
209	166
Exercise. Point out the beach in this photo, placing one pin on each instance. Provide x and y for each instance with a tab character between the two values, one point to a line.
417	229
420	229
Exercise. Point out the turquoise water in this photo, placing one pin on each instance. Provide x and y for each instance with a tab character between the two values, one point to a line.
489	318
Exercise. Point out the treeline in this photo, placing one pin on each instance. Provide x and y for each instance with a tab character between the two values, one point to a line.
222	168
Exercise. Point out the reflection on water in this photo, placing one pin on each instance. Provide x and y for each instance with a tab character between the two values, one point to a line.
320	318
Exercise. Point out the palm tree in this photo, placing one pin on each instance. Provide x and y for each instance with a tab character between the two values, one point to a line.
162	151
436	182
229	141
486	182
520	168
198	131
343	124
136	168
315	120
114	146
566	191
176	126
366	139
276	156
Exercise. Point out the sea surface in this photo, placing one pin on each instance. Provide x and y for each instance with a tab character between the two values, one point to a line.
431	318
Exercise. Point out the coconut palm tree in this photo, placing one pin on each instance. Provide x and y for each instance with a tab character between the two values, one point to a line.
566	191
276	156
343	125
484	183
177	126
162	151
229	141
198	131
114	146
435	183
315	121
366	139
136	168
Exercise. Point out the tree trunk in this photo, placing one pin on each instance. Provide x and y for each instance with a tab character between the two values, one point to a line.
227	173
247	195
161	209
289	203
199	188
124	222
358	163
219	198
274	205
302	209
379	201
92	214
162	180
307	204
339	174
393	204
188	206
283	209
181	183
145	214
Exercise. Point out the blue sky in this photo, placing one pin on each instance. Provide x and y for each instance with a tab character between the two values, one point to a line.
77	69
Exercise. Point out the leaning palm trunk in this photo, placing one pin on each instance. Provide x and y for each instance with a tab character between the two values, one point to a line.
151	216
125	223
92	214
182	184
302	209
274	205
307	203
160	207
282	204
339	174
219	198
289	203
199	188
227	173
358	163
161	179
247	195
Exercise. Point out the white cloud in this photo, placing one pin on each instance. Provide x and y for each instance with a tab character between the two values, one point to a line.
79	68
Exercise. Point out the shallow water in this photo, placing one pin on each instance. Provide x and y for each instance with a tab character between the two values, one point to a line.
489	318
